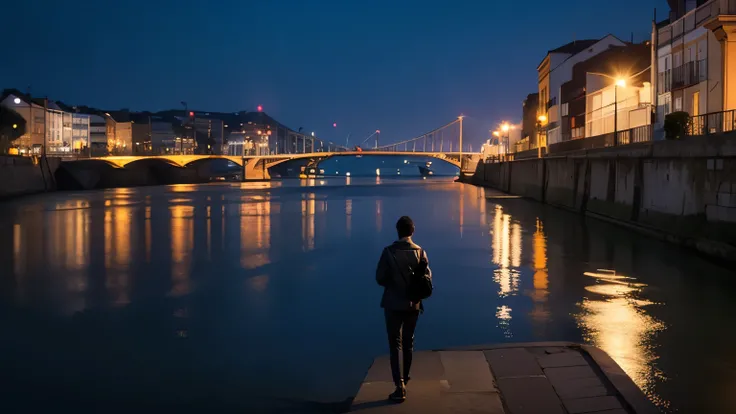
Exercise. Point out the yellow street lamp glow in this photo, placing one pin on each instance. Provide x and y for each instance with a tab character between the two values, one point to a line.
15	126
621	83
496	133
542	118
505	127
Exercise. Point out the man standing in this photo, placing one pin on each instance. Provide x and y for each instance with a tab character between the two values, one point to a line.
396	267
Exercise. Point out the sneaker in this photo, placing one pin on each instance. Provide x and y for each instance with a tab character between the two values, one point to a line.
399	395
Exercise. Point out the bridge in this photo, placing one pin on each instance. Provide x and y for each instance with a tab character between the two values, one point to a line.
431	144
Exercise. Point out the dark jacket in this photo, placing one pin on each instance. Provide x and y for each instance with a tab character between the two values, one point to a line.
403	254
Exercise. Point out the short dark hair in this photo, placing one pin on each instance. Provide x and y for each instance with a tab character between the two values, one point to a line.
405	227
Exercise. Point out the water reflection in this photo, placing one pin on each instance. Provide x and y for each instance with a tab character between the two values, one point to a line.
309	208
182	243
614	319
540	293
255	231
506	245
348	217
117	236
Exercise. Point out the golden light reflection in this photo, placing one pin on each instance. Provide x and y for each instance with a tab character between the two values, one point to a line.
540	293
614	319
182	243
506	245
379	215
258	283
483	202
255	231
503	315
348	216
117	253
309	207
19	257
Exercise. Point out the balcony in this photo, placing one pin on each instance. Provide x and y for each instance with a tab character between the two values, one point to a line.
664	82
689	74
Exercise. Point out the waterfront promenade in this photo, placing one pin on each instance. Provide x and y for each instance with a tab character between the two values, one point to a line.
531	378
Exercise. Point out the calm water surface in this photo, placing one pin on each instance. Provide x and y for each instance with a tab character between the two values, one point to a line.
262	296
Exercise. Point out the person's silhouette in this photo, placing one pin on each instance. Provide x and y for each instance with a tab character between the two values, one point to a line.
394	270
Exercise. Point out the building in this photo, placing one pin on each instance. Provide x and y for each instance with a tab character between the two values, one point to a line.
556	69
530	108
696	62
35	116
119	129
587	99
98	135
80	133
210	133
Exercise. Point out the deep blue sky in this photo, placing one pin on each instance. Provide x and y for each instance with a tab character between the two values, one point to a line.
401	66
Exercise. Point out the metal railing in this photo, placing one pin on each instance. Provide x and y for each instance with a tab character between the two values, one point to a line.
712	123
634	135
688	74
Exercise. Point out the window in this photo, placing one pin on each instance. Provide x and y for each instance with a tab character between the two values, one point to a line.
696	104
564	109
678	103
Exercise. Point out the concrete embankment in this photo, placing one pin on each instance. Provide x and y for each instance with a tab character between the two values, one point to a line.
21	176
681	191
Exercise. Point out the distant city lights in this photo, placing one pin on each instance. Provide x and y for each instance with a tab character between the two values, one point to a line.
347	174
260	108
378	172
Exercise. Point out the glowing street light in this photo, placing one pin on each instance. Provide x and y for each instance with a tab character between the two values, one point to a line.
542	119
505	127
260	108
621	83
16	101
496	134
312	133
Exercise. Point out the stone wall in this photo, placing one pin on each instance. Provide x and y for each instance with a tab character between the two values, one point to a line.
683	191
20	176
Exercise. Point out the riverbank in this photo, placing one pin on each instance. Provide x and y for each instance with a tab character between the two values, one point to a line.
683	191
529	378
21	176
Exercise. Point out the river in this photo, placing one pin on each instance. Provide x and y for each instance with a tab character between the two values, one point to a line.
262	295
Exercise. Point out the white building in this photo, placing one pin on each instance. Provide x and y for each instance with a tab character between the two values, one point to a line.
556	69
632	102
695	49
34	115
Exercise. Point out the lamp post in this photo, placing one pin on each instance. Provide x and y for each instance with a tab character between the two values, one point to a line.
505	128
460	118
621	83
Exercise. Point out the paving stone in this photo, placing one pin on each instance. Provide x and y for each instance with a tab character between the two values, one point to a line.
426	365
467	371
565	359
569	392
467	403
592	405
422	397
558	376
616	411
512	362
529	395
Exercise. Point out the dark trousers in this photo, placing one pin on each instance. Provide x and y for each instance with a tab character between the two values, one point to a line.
400	327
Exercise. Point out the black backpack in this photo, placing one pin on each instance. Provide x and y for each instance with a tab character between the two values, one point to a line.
419	286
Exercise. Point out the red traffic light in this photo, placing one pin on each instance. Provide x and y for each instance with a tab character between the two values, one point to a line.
191	114
260	108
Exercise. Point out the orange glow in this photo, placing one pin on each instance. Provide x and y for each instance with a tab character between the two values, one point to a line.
611	318
182	243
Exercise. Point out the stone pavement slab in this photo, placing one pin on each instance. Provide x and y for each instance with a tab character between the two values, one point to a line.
530	395
547	378
513	362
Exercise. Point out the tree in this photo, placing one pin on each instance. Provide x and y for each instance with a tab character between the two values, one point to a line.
12	127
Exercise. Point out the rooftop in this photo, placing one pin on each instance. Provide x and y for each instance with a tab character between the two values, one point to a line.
575	46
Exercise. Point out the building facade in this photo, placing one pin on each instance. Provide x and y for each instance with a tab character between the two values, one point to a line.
98	135
696	62
556	69
529	119
80	133
35	116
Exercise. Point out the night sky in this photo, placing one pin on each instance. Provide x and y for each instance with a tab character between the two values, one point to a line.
404	67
